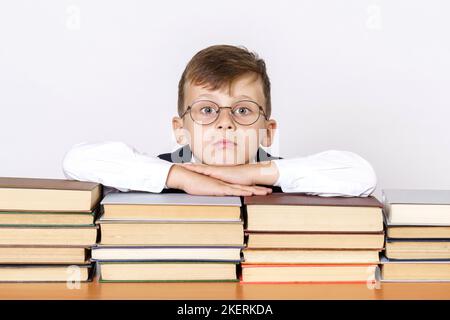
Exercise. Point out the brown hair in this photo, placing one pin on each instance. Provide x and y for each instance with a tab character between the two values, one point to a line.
220	65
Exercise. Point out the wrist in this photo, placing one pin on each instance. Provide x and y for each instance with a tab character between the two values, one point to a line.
265	173
176	177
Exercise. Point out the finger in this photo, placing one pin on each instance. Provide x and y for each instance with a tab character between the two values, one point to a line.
259	192
263	188
232	191
240	189
252	189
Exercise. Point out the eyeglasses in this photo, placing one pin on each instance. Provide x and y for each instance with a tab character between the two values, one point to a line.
244	112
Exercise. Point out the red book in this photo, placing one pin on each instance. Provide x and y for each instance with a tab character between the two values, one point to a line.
307	273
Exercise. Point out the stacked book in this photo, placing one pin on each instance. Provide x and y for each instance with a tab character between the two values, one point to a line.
169	237
301	238
46	229
418	235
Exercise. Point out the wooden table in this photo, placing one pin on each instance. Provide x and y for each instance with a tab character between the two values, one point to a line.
223	291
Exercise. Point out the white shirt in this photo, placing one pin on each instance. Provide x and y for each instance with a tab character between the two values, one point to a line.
118	165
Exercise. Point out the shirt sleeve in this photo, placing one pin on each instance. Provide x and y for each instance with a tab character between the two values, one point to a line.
328	173
116	164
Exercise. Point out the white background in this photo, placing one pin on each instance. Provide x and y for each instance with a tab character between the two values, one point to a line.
367	76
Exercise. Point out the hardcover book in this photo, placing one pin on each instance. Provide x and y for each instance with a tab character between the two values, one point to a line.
417	207
299	212
170	206
167	271
33	194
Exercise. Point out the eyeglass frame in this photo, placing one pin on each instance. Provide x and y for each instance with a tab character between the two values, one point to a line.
189	108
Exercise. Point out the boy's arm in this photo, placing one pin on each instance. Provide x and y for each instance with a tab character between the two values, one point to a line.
328	173
115	164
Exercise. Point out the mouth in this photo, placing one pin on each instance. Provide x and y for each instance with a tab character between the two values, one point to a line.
225	144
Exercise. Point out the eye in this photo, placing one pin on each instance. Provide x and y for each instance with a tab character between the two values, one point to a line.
207	110
242	111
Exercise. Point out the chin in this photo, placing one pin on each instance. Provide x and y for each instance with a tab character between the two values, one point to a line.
226	159
224	163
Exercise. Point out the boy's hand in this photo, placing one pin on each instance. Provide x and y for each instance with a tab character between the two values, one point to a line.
265	172
198	184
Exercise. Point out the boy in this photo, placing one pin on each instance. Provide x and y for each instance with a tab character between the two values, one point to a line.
224	109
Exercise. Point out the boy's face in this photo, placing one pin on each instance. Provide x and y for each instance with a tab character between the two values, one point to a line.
228	140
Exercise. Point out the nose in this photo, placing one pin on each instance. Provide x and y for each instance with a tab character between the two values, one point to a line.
225	120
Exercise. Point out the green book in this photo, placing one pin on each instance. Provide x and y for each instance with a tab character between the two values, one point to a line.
176	271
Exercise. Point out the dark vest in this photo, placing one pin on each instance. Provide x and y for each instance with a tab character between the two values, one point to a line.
184	154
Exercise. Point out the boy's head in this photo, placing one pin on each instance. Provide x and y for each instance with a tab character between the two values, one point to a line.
224	106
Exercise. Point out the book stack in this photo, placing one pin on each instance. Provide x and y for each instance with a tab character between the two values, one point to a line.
46	229
301	238
418	235
169	237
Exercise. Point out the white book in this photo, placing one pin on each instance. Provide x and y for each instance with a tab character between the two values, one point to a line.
144	206
416	207
169	199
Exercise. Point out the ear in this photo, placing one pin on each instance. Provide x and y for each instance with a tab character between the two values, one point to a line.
178	130
269	133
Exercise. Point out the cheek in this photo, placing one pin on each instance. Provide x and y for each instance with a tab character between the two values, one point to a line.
202	137
250	138
188	132
208	134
